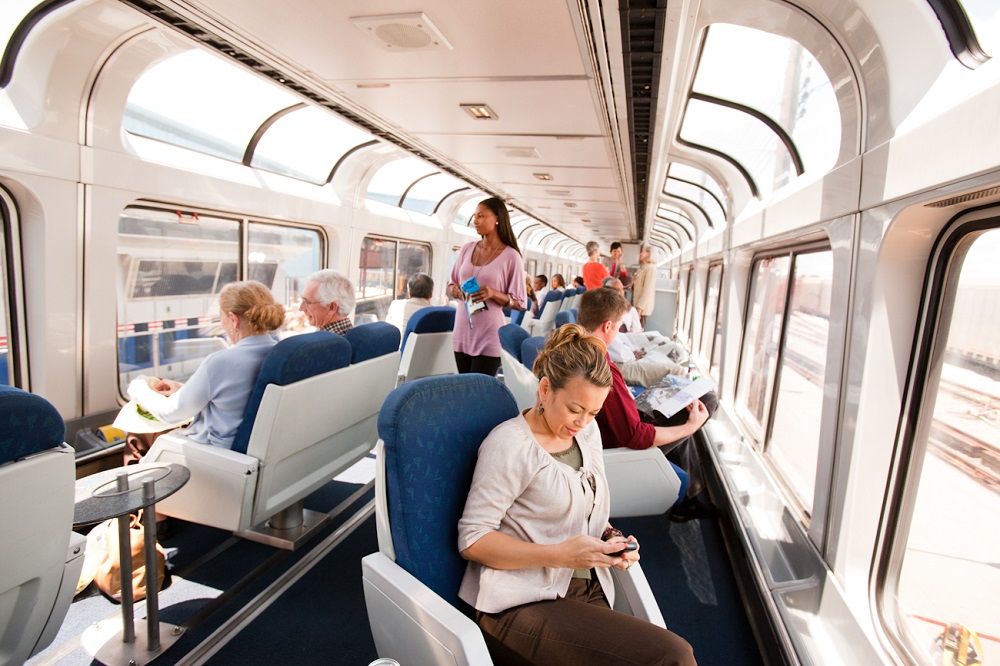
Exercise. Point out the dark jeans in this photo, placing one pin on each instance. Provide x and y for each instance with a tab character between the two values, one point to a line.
484	365
579	629
683	452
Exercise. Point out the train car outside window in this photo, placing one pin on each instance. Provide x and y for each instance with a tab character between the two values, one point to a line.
779	390
711	329
386	266
945	580
171	268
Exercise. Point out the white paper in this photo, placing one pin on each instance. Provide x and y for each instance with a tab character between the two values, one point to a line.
668	404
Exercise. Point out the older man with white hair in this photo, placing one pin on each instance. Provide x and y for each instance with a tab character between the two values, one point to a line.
327	301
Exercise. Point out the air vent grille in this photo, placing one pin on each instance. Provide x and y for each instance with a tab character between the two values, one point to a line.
964	198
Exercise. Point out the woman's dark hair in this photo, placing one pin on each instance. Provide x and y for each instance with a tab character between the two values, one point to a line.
558	277
504	230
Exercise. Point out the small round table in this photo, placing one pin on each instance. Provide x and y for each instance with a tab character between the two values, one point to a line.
117	493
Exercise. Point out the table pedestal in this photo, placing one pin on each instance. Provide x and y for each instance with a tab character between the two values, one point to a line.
103	641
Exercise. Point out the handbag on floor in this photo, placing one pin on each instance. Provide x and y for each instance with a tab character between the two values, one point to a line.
102	546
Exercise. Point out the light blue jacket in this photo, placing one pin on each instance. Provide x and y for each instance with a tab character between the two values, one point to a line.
216	395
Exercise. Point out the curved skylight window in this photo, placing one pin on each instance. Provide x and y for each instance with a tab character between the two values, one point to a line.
463	216
199	101
425	195
755	91
393	179
680	219
305	143
698	189
747	141
984	15
12	12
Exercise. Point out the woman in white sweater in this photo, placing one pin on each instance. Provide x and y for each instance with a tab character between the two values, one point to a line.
535	528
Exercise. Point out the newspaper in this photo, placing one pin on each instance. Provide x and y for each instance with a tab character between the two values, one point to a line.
672	395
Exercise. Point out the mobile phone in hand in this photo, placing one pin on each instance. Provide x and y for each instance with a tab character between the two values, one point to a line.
629	546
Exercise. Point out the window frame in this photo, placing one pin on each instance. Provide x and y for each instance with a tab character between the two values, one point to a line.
759	435
243	222
13	297
926	364
395	267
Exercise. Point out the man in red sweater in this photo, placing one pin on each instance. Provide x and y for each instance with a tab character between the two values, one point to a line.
621	424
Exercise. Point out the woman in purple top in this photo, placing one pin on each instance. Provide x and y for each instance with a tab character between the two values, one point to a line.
495	262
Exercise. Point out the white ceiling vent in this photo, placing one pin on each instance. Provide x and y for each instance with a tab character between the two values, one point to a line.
520	152
402	32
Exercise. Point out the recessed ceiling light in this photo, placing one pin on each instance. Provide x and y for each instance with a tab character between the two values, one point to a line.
569	205
480	111
543	176
372	85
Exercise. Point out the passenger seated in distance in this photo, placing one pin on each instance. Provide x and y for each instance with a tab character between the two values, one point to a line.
327	301
558	282
420	288
538	572
622	424
576	282
630	320
540	285
216	395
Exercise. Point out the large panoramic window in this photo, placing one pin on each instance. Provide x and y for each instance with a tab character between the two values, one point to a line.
711	329
946	579
171	268
779	390
386	266
6	375
391	182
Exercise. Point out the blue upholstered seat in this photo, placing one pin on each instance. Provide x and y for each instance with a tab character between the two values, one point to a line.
529	350
42	557
371	340
428	468
553	296
435	319
290	360
511	337
565	317
28	424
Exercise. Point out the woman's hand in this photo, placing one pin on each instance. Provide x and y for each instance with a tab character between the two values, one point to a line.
484	293
166	386
587	552
455	292
629	557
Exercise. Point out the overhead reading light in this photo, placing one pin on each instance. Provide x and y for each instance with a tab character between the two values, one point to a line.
543	176
569	205
480	111
558	193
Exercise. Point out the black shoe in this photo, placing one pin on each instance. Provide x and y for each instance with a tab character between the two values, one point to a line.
692	509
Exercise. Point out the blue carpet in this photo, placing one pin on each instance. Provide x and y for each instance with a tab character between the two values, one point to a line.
687	568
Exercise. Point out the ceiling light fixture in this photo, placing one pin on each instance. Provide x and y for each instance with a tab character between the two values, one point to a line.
480	111
543	176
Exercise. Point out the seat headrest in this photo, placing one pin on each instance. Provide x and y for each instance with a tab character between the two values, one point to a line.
370	340
434	319
511	337
432	429
289	361
553	295
565	317
529	350
28	424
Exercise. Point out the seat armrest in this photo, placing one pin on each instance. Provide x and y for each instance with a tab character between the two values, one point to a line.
634	596
411	623
641	482
220	491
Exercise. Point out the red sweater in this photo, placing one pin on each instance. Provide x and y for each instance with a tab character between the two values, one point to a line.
619	418
594	273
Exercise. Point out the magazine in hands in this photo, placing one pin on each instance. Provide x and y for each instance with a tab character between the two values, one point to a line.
668	400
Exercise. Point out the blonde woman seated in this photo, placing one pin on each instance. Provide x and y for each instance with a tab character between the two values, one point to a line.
538	572
217	393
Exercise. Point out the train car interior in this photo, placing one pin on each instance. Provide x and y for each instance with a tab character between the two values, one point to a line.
816	184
